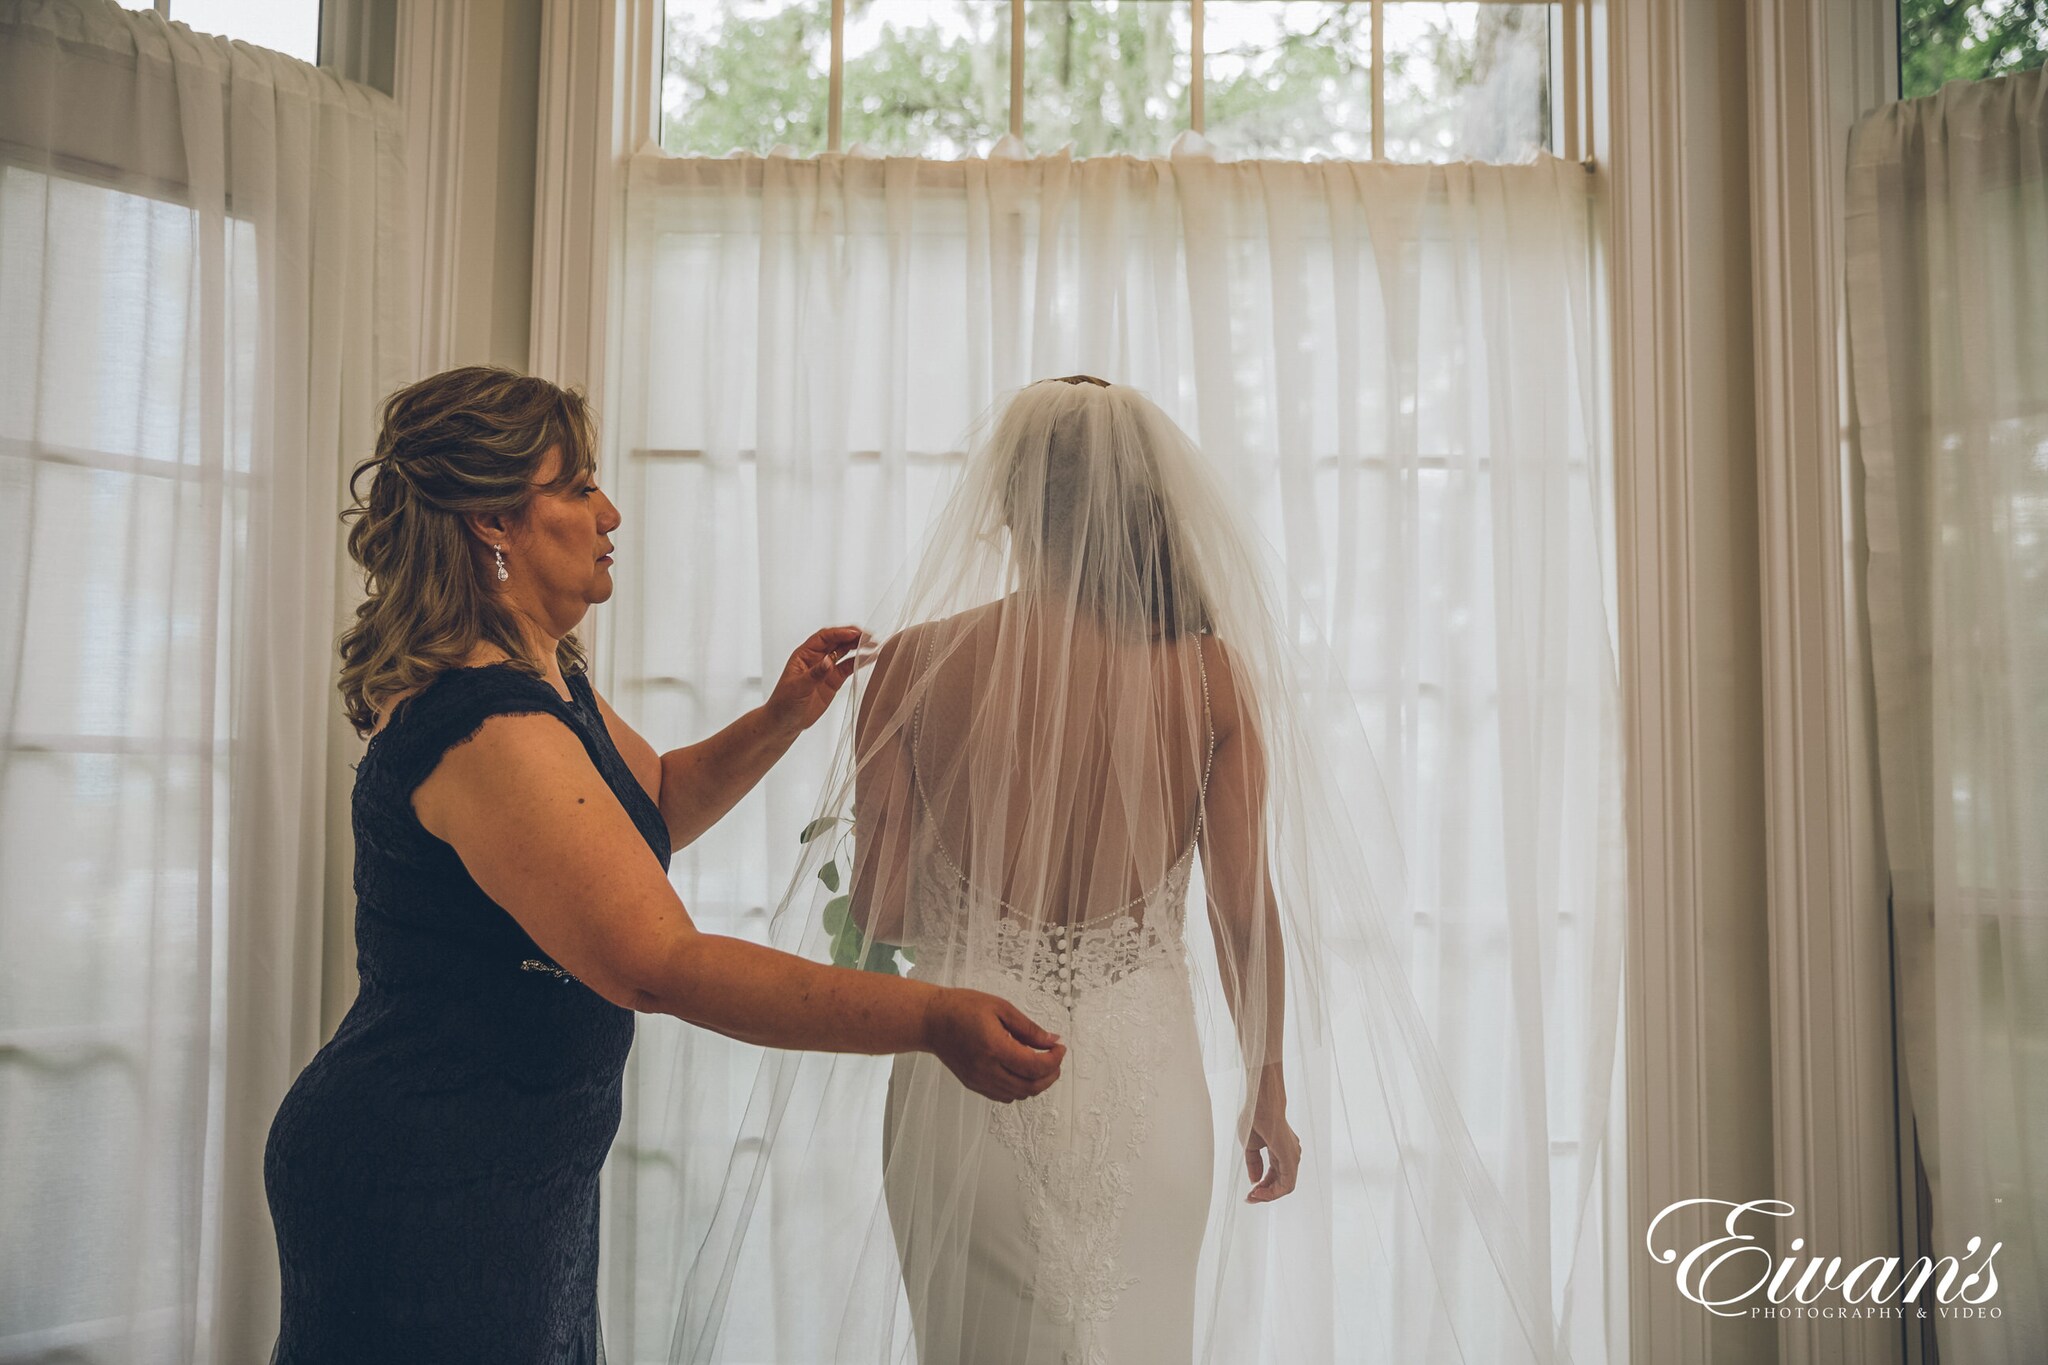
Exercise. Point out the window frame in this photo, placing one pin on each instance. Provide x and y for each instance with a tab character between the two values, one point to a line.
1572	135
115	1041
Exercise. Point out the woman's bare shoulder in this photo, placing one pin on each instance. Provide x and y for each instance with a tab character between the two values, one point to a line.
922	645
921	636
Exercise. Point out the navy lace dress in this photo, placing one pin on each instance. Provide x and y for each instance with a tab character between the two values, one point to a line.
433	1171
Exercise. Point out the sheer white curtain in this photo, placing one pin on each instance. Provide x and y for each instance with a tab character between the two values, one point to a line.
1948	318
199	272
1396	369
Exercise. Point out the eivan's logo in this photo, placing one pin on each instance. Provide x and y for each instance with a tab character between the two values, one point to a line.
1868	1290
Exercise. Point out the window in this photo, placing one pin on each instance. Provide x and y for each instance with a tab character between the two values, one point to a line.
1404	80
114	784
811	346
288	26
1967	40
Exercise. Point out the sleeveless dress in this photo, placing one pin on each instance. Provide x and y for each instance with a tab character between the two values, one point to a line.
433	1172
1088	1201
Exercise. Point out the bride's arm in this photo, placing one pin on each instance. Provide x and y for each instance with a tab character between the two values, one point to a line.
882	797
1244	913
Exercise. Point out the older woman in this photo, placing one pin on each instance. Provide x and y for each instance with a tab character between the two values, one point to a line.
433	1172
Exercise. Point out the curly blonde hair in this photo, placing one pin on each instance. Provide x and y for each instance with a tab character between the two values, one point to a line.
466	441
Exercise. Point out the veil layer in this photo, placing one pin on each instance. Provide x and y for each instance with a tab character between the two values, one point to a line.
1104	766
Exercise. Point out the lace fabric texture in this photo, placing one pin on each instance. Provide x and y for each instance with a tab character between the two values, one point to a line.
433	1172
1067	1192
1115	982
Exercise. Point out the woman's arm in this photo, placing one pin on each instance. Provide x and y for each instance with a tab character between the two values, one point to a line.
542	834
1244	912
1244	919
701	782
697	784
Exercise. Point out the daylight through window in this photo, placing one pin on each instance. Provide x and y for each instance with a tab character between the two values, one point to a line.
1402	80
1967	40
288	26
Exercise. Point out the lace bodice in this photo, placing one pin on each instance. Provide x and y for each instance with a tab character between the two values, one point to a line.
1055	965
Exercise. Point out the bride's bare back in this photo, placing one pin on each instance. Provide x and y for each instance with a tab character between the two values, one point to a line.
1068	782
1057	768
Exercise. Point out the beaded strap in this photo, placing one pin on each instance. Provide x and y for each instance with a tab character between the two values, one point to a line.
1201	800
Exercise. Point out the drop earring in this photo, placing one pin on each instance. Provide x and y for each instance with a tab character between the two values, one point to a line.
498	553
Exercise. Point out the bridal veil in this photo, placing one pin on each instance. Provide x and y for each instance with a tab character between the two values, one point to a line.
1103	765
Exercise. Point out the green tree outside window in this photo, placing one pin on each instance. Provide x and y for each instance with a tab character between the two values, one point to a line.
933	78
1967	40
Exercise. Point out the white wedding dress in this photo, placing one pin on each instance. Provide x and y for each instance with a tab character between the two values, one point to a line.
1089	1201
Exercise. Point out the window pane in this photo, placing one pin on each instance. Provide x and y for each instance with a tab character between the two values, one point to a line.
1941	41
1467	81
744	75
927	77
288	26
1288	78
1106	75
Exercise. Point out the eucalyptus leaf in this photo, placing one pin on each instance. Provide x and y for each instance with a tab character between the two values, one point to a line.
829	874
836	918
817	827
846	946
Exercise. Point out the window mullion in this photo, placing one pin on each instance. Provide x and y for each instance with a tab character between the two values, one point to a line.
1017	68
1571	79
1379	80
1584	113
836	96
1197	60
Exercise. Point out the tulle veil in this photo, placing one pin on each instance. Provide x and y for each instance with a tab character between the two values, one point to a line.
1093	691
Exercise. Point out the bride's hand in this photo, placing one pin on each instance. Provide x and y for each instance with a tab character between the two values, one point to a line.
991	1045
1281	1151
813	675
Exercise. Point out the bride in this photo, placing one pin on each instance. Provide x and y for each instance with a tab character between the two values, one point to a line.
1092	718
1029	825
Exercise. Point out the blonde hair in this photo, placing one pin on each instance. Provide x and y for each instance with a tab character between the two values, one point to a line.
464	442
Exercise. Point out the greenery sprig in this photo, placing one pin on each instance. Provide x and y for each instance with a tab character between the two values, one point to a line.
850	947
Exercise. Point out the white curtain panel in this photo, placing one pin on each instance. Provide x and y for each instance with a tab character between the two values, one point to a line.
1395	368
1948	327
201	285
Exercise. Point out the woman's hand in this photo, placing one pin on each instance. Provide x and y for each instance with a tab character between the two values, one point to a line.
1281	1151
991	1045
813	676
